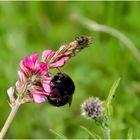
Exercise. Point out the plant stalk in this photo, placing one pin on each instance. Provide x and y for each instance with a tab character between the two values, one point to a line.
10	118
94	26
107	129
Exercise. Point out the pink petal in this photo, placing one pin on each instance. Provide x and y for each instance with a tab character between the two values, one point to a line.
40	93
31	61
25	69
38	98
60	62
18	85
21	76
42	68
47	88
34	57
46	84
39	90
28	62
47	54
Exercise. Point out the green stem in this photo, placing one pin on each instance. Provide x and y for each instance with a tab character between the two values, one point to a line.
10	118
107	129
93	25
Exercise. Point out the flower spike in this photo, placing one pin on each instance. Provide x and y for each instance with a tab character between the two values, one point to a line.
58	58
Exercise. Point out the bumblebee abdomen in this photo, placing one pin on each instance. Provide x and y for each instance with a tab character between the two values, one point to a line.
63	89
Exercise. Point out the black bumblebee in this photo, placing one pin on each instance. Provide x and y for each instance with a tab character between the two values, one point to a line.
63	89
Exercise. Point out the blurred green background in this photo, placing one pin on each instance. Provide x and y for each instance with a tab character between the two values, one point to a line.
27	27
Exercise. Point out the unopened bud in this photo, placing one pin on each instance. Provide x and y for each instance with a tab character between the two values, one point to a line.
10	93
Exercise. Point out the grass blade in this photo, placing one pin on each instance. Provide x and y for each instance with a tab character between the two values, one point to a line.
94	136
110	96
58	134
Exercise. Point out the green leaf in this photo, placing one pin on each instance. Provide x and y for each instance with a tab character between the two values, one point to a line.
130	133
110	97
93	136
58	134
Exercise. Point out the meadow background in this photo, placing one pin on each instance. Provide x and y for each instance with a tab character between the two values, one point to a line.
28	27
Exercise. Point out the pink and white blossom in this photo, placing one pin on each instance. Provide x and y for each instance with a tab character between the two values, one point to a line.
34	79
30	66
49	55
33	76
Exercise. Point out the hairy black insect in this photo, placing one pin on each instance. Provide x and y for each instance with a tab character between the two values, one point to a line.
63	89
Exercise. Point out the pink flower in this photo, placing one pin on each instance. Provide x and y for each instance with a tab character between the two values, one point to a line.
58	58
46	81
30	66
34	82
38	94
33	76
49	55
39	91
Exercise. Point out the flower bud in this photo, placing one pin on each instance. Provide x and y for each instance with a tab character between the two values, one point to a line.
92	108
10	93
